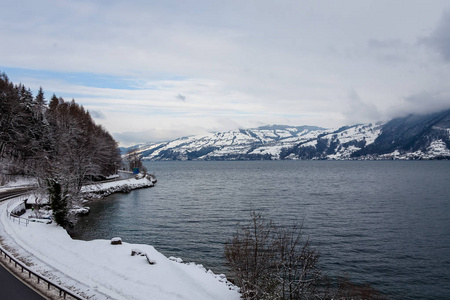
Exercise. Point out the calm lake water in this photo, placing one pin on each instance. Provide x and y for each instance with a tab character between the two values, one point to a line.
386	223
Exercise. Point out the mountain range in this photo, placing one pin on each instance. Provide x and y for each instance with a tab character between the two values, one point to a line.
411	137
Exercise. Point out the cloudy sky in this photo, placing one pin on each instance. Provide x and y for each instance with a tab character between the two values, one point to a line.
157	70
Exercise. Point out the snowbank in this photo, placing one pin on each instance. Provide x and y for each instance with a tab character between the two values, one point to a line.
99	270
99	190
108	188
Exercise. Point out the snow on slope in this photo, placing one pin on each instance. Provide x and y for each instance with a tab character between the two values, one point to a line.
231	144
100	270
437	148
410	136
350	139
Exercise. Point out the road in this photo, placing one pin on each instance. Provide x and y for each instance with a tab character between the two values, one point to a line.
8	194
12	288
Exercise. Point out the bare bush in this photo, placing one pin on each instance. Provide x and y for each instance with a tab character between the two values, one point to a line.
270	262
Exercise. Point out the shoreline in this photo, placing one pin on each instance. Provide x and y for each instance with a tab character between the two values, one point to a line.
102	190
100	270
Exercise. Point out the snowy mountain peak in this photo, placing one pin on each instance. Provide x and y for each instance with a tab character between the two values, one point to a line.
413	137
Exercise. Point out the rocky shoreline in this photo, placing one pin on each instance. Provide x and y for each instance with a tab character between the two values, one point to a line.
98	191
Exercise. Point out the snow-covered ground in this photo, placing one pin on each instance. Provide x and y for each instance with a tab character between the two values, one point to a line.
17	183
103	189
99	270
126	185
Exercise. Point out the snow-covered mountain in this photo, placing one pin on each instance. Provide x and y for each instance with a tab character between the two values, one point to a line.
412	137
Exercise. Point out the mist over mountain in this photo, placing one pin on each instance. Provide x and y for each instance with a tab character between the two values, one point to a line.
412	137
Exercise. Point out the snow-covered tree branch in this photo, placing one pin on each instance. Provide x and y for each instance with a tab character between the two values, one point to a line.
59	144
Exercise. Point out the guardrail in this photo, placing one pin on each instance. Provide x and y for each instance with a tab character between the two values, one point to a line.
14	200
63	292
10	211
14	217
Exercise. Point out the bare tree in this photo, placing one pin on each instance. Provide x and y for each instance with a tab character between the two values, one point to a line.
270	262
58	143
296	266
273	262
251	257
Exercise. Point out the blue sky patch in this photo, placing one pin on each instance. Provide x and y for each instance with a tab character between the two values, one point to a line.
74	78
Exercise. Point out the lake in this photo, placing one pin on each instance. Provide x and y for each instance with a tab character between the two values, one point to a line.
386	223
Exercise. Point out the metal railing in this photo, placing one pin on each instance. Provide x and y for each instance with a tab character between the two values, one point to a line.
15	200
19	219
63	292
9	211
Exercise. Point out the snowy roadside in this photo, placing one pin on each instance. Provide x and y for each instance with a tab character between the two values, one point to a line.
99	270
18	183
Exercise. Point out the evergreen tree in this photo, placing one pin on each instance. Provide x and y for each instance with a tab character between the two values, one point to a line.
59	144
58	196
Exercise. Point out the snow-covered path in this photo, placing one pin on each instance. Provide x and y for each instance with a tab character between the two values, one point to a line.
103	271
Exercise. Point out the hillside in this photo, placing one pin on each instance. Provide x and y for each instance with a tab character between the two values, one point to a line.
411	137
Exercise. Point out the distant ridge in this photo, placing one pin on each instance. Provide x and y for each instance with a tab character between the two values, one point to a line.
411	137
285	127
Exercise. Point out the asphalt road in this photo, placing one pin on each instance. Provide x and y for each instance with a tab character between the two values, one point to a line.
5	195
12	288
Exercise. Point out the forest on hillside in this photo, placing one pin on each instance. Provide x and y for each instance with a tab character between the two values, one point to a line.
57	142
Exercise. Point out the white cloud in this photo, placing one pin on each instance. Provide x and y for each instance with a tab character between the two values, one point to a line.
96	114
439	39
359	110
194	67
